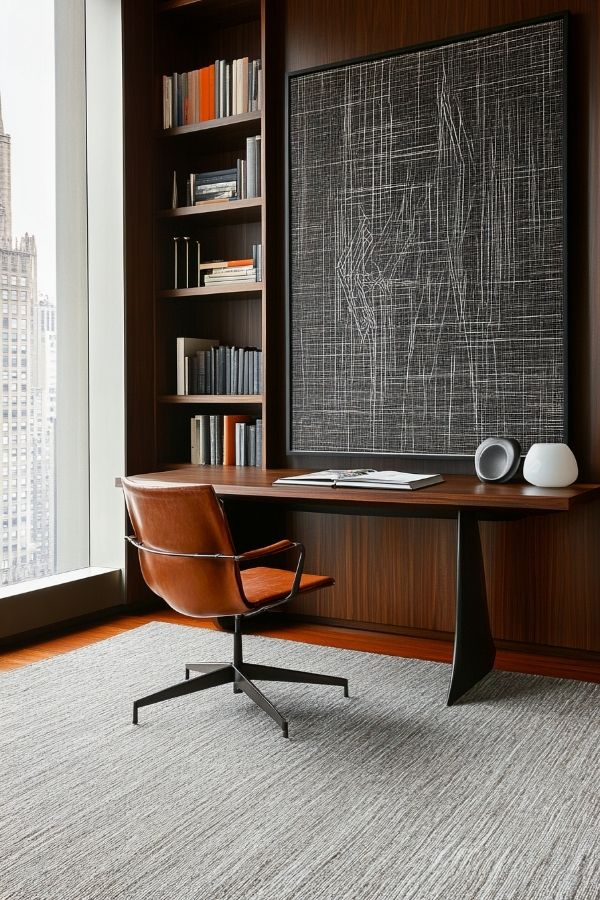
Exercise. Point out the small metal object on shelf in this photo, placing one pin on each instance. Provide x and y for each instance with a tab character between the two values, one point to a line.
176	263
187	261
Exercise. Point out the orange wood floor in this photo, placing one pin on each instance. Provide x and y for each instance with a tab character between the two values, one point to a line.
328	635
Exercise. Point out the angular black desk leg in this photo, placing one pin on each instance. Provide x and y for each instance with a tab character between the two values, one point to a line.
474	650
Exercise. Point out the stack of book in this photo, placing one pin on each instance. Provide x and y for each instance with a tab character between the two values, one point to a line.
212	92
203	367
212	187
233	271
239	183
230	440
214	273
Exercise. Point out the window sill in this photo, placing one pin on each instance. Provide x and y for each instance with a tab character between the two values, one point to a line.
57	598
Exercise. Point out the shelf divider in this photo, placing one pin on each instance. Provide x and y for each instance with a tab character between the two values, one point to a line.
219	399
244	287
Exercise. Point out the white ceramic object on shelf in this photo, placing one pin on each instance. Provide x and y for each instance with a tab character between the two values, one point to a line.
550	465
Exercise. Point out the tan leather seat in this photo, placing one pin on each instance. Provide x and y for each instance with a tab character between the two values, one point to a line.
187	557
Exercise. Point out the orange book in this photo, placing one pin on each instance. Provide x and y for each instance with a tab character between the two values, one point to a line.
226	263
199	95
229	423
211	91
239	262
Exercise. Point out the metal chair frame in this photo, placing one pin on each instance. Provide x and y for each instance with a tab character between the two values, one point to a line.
238	672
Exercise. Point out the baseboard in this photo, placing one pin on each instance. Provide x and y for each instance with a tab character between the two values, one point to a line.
532	659
77	623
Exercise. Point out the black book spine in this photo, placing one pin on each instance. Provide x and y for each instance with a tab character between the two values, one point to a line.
251	432
213	440
234	370
240	383
228	370
204	441
220	370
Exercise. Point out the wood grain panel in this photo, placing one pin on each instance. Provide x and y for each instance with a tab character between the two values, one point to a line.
273	228
138	81
543	574
441	500
391	570
138	125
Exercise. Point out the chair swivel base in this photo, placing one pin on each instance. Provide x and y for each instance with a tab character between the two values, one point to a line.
242	676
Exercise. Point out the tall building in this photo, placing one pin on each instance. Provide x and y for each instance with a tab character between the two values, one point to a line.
27	536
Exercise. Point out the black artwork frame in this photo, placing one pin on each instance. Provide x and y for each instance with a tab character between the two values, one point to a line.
332	431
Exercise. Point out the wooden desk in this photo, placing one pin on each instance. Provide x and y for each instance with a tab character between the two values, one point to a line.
462	497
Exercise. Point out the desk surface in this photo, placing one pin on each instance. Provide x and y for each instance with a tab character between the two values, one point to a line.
456	491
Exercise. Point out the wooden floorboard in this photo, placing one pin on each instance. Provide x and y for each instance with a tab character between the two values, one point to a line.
325	635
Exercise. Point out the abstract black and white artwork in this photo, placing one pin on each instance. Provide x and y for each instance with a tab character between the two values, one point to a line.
426	247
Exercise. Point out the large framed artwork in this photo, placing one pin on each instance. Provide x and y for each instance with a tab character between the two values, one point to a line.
427	247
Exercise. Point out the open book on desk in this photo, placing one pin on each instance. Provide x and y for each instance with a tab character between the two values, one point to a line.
363	478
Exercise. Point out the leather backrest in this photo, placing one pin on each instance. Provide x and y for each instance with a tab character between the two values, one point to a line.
185	519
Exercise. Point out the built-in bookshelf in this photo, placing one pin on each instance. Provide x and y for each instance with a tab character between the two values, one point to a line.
202	212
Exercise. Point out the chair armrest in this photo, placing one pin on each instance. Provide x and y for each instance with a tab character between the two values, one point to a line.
158	552
278	547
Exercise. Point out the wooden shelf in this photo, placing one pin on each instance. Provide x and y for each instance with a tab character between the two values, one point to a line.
243	288
233	211
218	11
182	36
219	399
242	125
170	5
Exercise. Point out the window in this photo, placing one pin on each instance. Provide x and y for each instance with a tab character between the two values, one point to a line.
27	217
45	268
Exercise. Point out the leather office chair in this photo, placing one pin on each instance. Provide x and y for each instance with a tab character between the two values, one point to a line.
187	557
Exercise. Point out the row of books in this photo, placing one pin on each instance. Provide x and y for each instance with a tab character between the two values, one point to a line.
233	271
212	92
239	183
204	367
230	440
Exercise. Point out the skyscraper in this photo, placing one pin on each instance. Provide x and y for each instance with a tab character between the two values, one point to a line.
27	536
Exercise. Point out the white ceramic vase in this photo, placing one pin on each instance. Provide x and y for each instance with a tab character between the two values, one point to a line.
550	465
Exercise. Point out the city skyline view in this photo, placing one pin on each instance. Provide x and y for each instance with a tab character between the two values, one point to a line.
28	335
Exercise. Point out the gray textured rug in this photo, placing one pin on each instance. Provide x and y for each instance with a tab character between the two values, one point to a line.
384	796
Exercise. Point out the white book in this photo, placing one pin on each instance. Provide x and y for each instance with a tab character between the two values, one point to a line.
257	166
251	167
232	270
243	108
215	279
363	478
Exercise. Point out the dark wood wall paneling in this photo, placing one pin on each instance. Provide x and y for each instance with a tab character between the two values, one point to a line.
544	573
139	122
